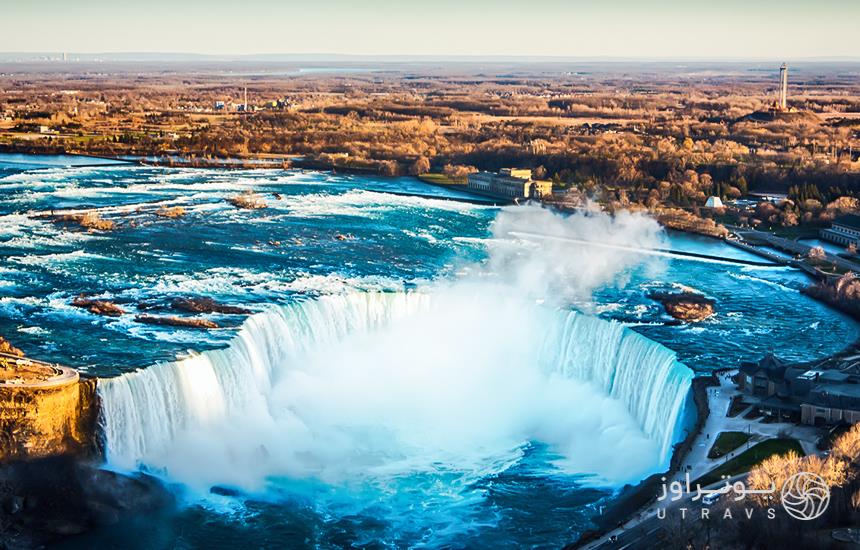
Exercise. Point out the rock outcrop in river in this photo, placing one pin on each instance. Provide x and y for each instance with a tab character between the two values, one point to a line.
170	212
91	221
686	305
99	307
173	321
207	305
248	200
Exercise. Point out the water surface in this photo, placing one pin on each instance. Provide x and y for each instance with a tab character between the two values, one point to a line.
329	235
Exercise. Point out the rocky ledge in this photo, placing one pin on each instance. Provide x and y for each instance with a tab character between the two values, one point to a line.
47	499
45	409
99	307
686	306
173	321
7	348
51	486
207	305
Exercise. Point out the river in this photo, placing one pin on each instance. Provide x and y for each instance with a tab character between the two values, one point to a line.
413	372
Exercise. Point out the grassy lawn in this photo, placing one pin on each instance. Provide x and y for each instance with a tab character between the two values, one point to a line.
441	179
727	442
797	231
749	458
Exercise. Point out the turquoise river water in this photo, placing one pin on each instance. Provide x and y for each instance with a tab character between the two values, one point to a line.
414	371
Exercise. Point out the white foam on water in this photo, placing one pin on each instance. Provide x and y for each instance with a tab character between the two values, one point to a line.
232	281
56	260
34	330
391	384
362	203
17	307
362	385
774	284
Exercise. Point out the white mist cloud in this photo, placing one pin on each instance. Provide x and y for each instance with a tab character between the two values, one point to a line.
423	392
558	269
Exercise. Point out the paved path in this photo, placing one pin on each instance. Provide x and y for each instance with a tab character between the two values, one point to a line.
35	374
720	398
639	530
794	247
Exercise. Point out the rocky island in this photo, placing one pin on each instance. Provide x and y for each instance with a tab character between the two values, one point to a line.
686	305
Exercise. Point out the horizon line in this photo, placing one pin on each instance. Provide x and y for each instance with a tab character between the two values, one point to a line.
151	55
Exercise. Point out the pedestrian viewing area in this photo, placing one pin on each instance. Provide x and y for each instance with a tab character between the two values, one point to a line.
20	372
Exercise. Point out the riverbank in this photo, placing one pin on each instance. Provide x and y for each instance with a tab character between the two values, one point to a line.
171	160
633	499
718	391
837	288
697	462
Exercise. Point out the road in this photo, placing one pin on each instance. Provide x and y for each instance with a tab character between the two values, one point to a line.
794	247
640	530
647	529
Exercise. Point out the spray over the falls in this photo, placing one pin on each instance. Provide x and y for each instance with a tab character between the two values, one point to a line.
457	378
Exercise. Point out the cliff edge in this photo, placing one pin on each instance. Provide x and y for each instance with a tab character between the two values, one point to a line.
45	409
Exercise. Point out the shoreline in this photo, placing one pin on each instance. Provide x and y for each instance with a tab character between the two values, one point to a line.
632	499
162	160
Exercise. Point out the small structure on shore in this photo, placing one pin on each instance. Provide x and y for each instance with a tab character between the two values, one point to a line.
509	183
845	231
714	202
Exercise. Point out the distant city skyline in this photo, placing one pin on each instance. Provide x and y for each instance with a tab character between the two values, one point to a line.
665	29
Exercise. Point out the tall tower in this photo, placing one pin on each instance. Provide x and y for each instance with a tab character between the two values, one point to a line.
783	87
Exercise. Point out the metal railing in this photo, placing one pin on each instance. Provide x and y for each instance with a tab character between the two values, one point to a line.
27	360
59	374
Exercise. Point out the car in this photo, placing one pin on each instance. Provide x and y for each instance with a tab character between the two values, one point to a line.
711	498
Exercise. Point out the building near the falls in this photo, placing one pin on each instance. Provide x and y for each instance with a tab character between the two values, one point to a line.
714	202
844	230
809	395
509	183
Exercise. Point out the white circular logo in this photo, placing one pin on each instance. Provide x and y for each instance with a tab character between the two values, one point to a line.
805	496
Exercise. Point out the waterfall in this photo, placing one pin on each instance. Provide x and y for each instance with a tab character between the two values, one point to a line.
142	411
391	382
627	366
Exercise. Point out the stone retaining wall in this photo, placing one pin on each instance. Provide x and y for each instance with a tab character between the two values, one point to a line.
53	415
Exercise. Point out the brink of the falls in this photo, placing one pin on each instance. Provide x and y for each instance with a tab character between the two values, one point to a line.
377	386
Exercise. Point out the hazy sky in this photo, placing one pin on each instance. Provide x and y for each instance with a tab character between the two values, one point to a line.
787	29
